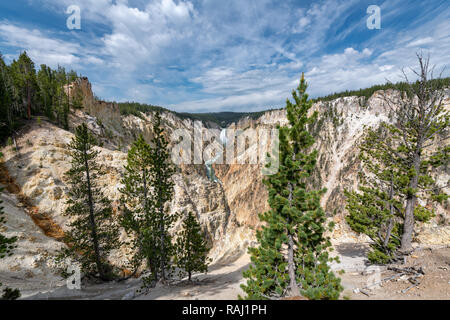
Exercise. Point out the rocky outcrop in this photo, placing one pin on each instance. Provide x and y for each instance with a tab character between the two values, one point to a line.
339	130
228	209
39	167
31	267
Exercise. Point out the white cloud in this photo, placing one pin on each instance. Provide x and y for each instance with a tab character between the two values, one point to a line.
39	46
231	55
240	102
420	42
45	48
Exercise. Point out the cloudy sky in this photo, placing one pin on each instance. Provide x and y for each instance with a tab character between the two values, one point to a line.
225	55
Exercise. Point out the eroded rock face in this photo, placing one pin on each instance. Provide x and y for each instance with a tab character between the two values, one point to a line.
31	267
43	159
228	210
338	132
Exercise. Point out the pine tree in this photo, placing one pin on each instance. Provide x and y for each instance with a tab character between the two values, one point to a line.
191	247
399	158
136	206
24	75
77	98
47	90
93	232
6	110
374	213
161	171
293	253
7	245
61	103
376	209
148	187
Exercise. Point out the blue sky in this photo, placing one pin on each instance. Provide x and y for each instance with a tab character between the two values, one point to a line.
233	55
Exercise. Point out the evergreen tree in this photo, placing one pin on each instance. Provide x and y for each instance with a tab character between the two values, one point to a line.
6	119
292	257
191	247
375	213
24	76
6	244
23	93
47	90
61	103
376	210
399	158
148	187
6	248
137	216
161	171
77	98
93	233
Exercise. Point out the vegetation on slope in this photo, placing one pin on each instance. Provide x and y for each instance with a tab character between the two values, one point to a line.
368	92
27	92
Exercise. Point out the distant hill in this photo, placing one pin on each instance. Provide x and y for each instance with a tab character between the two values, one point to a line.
224	119
367	92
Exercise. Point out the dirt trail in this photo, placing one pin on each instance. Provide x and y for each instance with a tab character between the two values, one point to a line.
433	285
223	281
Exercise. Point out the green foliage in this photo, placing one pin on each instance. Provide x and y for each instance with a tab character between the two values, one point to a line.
371	212
10	294
23	75
77	99
148	187
378	256
422	214
191	249
93	233
7	244
25	92
135	108
223	119
135	202
398	159
368	92
293	252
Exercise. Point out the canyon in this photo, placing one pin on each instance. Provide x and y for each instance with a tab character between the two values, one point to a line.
227	207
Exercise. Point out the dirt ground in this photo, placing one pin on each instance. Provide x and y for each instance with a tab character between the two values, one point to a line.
223	281
28	270
434	284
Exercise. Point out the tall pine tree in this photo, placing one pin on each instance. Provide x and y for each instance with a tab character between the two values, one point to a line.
191	249
399	157
148	187
161	171
93	232
24	76
137	217
292	257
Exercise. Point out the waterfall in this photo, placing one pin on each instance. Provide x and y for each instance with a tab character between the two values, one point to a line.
208	164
